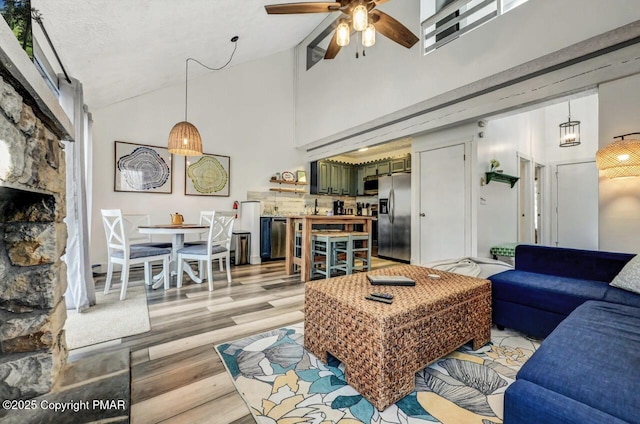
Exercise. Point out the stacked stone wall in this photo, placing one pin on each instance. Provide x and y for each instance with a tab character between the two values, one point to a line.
32	240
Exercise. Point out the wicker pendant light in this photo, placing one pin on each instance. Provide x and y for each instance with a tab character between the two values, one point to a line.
620	158
184	138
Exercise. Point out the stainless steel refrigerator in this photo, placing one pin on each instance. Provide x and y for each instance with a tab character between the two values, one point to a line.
394	217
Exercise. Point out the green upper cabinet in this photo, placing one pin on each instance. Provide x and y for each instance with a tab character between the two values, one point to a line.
323	177
370	169
360	174
344	179
335	178
347	187
384	167
398	165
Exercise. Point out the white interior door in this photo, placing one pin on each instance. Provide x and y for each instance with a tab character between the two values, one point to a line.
525	202
577	205
442	203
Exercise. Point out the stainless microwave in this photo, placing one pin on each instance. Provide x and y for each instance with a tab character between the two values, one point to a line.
371	185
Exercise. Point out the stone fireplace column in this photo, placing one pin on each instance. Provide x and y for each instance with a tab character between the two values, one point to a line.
32	240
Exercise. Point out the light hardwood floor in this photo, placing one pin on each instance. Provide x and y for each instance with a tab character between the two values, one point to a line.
177	377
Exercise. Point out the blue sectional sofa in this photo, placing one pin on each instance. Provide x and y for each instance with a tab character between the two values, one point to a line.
587	370
548	283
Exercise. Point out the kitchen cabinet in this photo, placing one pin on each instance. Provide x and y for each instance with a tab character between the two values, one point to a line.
335	178
323	178
344	179
398	165
384	168
332	178
347	187
371	169
360	174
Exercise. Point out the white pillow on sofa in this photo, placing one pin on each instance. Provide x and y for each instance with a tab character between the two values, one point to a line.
629	277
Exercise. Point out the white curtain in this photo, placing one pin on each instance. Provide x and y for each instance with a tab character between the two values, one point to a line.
80	292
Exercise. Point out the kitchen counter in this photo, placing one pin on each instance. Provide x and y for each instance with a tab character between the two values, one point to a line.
305	224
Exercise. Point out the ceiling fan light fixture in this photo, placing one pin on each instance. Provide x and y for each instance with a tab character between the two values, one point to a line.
343	34
360	17
369	36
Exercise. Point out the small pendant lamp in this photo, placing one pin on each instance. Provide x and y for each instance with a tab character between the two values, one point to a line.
570	132
184	138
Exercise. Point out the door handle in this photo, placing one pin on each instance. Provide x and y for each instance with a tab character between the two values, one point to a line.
392	205
423	214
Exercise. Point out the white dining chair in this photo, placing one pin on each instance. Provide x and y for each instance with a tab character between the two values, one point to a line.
217	247
132	221
205	219
120	251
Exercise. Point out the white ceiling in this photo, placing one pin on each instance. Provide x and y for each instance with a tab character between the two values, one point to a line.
120	49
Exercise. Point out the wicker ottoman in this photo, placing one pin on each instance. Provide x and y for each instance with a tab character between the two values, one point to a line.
383	346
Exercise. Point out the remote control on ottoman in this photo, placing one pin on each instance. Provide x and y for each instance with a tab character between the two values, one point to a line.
379	299
383	295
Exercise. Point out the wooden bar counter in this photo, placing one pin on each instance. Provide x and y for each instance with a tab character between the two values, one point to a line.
306	223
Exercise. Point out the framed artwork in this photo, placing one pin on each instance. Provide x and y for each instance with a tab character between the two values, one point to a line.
142	169
301	176
207	175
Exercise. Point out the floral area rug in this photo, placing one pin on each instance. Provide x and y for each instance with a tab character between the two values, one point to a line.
283	383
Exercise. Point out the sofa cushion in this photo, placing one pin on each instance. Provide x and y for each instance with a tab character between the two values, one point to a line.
547	292
528	403
571	263
629	276
593	357
623	297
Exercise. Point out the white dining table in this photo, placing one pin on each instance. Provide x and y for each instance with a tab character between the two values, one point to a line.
177	233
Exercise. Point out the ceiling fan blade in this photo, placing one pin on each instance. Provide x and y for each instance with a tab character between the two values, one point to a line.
379	2
334	48
392	29
315	7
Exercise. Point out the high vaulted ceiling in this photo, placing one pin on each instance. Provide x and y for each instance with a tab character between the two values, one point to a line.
120	49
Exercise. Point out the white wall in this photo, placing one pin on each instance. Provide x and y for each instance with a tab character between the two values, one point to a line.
619	198
535	135
245	112
360	91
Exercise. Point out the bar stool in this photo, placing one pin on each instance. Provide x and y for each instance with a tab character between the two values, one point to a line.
325	249
360	256
357	252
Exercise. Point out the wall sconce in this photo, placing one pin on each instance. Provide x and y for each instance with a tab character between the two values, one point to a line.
569	132
620	158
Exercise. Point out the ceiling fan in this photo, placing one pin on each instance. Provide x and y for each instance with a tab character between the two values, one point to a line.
359	15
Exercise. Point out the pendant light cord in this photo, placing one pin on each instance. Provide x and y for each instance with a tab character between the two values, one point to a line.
234	40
